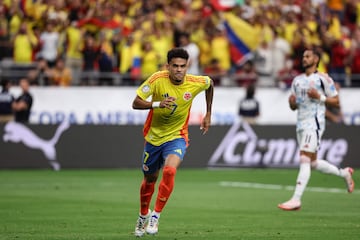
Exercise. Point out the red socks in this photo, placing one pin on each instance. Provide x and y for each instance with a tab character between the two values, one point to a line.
165	187
146	192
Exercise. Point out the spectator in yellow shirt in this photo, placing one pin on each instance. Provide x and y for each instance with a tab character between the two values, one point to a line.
74	42
220	49
149	60
23	44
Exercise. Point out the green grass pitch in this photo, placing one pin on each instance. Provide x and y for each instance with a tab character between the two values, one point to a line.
205	204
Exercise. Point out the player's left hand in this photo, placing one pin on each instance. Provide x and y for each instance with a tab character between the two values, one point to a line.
168	103
313	93
205	124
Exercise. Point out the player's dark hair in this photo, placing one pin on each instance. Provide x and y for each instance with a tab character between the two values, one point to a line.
316	52
177	53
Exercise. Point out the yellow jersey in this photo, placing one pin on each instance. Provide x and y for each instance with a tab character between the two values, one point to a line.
162	124
149	63
23	51
74	42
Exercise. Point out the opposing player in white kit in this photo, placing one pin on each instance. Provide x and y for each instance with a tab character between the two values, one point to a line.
310	93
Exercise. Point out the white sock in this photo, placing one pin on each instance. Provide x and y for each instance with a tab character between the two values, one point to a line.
326	167
157	214
303	177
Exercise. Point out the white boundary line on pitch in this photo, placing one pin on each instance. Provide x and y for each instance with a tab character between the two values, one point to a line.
281	187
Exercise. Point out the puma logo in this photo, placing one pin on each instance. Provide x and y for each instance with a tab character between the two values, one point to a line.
17	133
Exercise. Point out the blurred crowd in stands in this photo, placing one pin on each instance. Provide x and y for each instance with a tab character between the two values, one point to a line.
113	42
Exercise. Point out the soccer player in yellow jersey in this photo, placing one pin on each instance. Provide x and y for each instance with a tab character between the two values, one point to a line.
166	130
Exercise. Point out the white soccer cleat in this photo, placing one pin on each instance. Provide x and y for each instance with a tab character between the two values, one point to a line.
152	227
348	179
141	224
290	205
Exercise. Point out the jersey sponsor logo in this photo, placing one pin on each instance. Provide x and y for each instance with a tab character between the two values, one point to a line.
18	133
145	89
241	147
187	96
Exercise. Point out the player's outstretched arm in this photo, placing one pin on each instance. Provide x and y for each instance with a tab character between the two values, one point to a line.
209	94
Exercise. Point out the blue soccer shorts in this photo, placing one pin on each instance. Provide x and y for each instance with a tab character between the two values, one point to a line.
154	156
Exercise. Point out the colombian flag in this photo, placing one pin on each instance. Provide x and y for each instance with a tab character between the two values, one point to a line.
243	38
224	5
135	71
111	24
